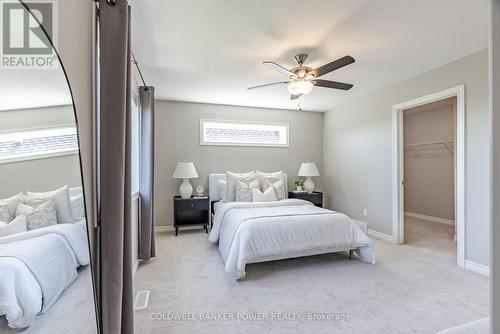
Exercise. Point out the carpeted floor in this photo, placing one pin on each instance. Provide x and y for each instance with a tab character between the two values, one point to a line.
72	313
413	288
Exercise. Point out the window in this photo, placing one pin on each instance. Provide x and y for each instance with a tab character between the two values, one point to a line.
136	142
37	144
237	133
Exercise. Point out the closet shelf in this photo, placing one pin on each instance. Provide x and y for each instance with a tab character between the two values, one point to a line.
448	145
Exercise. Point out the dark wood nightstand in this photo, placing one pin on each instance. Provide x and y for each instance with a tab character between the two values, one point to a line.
315	197
191	212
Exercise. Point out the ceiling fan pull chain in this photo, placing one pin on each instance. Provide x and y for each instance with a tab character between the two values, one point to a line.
298	103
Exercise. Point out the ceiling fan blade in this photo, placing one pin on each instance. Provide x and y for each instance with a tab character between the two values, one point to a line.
269	84
294	97
332	84
334	65
279	68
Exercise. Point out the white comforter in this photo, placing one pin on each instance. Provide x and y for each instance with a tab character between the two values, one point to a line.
264	231
36	267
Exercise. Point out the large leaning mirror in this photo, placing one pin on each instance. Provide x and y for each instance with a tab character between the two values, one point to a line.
45	264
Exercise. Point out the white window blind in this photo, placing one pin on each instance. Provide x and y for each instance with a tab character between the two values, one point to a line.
34	144
220	132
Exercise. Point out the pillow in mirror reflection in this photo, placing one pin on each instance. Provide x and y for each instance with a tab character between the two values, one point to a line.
17	225
61	200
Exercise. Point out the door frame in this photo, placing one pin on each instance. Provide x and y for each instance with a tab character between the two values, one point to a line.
398	165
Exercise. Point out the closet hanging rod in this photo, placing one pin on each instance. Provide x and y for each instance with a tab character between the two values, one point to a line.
430	143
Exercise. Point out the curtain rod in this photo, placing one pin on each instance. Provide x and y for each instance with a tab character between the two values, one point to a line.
138	69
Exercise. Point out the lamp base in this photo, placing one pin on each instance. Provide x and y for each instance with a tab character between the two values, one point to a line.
186	189
309	185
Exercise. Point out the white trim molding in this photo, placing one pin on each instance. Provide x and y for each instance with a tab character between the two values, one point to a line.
135	267
381	236
433	219
398	165
478	268
164	228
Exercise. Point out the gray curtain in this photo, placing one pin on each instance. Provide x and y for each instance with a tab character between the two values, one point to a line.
146	230
114	170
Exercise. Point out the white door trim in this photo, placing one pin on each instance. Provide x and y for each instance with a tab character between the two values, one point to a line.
398	165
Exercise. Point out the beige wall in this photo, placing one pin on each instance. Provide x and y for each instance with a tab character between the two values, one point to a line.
429	172
358	150
177	139
495	105
39	175
32	118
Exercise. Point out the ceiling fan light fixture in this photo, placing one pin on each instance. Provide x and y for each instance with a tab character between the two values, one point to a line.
300	87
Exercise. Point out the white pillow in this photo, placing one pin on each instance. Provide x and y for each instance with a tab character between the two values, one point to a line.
77	207
266	196
279	188
231	186
41	216
75	191
17	225
13	202
61	200
4	213
244	190
221	184
275	176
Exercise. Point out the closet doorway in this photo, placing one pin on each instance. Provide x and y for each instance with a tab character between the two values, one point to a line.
429	172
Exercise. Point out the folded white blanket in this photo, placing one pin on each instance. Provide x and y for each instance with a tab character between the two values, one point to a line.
36	267
257	232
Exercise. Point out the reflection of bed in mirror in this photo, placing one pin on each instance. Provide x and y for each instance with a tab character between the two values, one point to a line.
41	248
45	273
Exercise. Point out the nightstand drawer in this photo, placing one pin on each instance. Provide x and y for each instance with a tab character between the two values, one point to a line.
191	204
316	197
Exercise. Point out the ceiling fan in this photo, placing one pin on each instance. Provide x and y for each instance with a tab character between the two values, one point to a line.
302	79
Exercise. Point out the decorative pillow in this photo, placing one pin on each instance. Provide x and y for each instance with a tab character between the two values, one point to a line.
77	207
61	200
273	177
17	225
231	180
279	188
4	213
41	216
266	196
13	202
75	191
244	190
222	190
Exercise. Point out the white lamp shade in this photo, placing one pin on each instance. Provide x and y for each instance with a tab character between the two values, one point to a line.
185	170
308	169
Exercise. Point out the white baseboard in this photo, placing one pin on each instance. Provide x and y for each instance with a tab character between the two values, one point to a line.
381	236
430	218
168	228
136	265
478	268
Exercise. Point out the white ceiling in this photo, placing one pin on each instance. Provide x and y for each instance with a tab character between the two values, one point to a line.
211	50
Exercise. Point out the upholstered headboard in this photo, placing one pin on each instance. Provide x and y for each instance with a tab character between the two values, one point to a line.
213	190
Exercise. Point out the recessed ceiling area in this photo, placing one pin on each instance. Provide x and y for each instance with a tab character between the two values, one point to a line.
210	51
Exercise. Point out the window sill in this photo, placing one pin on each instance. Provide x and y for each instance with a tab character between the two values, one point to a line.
38	156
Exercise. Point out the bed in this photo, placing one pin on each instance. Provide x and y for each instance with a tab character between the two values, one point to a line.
251	232
37	266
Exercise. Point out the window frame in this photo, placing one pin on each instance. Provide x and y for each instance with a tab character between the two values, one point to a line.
210	143
37	156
